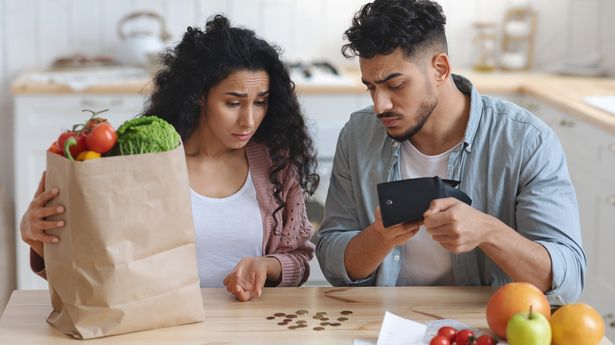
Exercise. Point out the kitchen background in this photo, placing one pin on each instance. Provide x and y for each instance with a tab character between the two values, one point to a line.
33	33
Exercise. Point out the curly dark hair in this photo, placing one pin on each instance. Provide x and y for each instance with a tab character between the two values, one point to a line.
380	27
203	59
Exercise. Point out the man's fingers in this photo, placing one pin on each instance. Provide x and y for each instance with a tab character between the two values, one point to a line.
439	205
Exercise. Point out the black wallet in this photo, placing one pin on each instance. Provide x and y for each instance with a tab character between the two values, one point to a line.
406	200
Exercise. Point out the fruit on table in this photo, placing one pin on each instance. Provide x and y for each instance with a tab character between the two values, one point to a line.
529	328
574	324
485	339
514	298
439	340
464	337
448	332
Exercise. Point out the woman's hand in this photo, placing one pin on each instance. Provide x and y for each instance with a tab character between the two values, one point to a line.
33	224
248	278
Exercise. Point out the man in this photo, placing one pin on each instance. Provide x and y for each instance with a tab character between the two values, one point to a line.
523	223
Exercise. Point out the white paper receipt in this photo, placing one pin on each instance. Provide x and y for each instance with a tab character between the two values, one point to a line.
396	330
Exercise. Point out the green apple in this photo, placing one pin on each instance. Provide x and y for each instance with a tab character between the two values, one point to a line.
530	328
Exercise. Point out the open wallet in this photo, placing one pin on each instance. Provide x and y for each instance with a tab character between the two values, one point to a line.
406	200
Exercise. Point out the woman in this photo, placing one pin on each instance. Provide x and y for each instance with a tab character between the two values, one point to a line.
230	97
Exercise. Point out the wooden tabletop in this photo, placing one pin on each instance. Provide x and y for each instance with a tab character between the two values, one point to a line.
231	322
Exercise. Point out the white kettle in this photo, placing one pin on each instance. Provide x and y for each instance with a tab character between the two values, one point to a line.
136	48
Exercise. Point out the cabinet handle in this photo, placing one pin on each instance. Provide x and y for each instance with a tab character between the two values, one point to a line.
87	102
566	123
611	199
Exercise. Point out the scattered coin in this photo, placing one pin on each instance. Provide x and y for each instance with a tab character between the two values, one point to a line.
302	311
324	319
279	314
324	324
293	327
291	316
346	312
282	323
319	328
342	319
335	324
317	317
303	325
321	313
270	317
301	321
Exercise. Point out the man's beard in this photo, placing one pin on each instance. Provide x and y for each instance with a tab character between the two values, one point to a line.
424	112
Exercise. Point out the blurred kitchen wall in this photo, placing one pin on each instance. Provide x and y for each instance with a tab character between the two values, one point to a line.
35	32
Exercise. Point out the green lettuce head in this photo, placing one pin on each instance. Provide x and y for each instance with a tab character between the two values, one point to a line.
146	134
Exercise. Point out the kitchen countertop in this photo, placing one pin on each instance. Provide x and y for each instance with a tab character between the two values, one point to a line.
563	92
228	321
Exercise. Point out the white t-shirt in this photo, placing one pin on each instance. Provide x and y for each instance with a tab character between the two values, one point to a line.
227	230
426	261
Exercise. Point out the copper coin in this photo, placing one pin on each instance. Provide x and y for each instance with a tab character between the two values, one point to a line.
319	328
270	317
321	313
282	323
279	314
324	319
317	317
292	327
301	321
324	324
291	316
287	320
302	325
346	312
342	319
335	324
302	311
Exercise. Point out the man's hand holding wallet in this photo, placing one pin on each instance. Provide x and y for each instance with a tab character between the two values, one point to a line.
407	200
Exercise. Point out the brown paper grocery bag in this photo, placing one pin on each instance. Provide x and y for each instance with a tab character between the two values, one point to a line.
126	260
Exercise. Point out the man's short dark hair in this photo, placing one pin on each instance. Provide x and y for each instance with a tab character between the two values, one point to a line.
382	26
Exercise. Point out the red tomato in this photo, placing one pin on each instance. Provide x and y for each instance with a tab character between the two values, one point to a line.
76	149
485	340
464	337
448	332
102	138
439	340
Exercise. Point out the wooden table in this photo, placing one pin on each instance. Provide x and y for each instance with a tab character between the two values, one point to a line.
231	322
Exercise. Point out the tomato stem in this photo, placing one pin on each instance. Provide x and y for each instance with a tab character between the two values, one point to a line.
94	113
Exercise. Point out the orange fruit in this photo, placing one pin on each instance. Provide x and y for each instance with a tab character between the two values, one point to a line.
514	298
575	324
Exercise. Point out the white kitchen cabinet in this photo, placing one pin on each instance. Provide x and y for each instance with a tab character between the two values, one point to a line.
38	121
590	152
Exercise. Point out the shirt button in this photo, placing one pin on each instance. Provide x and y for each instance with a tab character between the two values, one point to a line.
396	257
395	143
